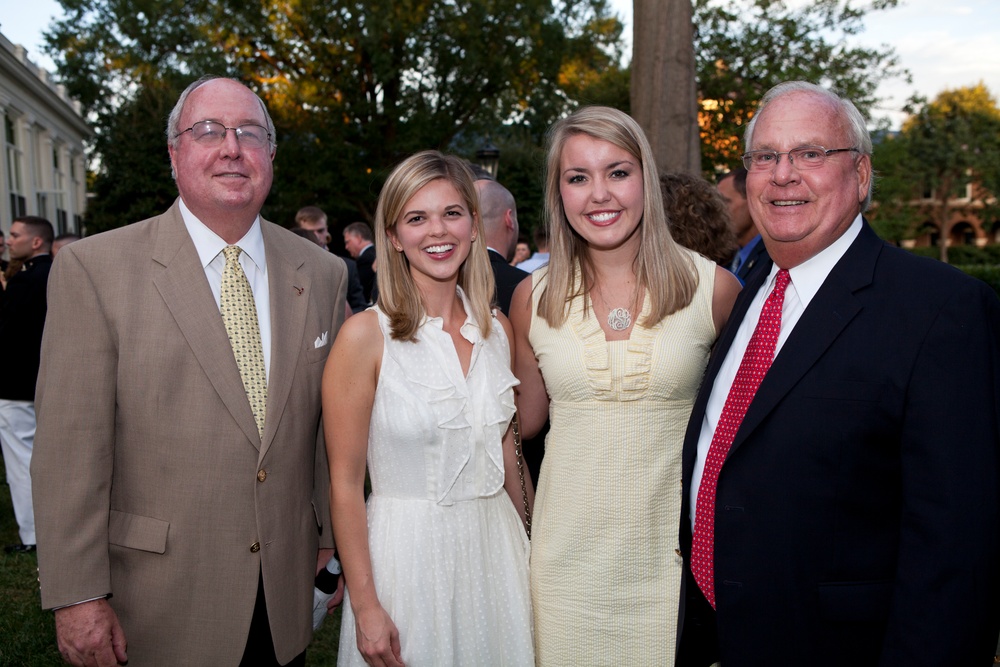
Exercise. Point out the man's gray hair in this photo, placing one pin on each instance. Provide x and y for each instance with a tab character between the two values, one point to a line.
857	127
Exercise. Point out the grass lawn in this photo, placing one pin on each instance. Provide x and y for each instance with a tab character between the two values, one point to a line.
27	634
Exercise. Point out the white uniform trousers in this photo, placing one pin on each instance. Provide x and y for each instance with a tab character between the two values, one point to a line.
17	436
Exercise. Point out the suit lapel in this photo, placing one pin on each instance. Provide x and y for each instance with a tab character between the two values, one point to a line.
289	289
832	309
180	279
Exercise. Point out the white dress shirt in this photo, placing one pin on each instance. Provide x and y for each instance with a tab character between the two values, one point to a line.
253	260
807	278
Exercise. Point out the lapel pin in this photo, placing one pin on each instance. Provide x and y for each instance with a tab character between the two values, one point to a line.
299	290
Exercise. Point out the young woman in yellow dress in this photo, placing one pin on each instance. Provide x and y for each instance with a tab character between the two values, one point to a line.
611	341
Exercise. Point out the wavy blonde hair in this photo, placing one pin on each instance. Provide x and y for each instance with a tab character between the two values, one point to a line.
398	295
661	266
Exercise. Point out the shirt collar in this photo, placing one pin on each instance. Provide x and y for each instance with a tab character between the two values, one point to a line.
748	248
209	244
809	276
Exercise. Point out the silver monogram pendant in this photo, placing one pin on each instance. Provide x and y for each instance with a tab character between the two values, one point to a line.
619	319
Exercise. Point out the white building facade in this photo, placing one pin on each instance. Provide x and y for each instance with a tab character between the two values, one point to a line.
42	133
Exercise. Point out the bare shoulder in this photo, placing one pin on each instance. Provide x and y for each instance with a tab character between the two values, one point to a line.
520	305
508	328
357	350
359	331
727	288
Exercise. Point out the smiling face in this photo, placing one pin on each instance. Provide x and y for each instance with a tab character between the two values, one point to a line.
521	253
601	189
435	232
226	184
800	213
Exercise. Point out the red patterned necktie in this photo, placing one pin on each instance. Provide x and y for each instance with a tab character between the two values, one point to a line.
756	361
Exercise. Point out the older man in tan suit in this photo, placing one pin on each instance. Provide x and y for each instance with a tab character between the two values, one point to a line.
180	492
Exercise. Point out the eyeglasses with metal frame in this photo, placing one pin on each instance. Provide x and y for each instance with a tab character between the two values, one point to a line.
212	133
803	157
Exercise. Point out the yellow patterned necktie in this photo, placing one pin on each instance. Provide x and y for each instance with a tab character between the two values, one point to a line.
239	313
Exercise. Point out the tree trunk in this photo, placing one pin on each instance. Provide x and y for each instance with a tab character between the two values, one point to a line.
663	93
943	195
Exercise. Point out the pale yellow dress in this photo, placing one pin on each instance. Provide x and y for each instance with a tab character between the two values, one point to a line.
605	575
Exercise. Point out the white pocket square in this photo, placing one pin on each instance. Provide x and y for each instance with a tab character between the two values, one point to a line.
322	339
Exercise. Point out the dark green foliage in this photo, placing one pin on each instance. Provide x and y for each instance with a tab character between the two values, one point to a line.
744	47
134	180
965	255
27	634
353	86
943	146
988	274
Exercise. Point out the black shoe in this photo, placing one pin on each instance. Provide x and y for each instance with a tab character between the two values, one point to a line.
19	549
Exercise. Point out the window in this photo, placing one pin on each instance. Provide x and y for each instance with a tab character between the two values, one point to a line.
15	180
59	194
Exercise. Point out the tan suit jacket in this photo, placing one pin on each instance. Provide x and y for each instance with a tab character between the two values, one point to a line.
151	483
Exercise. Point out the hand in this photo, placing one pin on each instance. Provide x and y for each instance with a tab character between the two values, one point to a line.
338	597
89	635
323	557
378	638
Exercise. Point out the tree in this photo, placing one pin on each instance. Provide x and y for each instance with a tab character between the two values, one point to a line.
353	86
663	92
744	47
943	146
135	181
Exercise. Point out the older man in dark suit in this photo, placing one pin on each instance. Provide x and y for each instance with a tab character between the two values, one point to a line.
841	463
180	482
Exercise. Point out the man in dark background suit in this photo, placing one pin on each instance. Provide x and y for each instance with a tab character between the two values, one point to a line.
22	319
854	519
360	244
733	188
499	213
313	220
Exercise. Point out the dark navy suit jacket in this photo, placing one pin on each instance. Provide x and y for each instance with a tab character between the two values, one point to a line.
857	511
507	278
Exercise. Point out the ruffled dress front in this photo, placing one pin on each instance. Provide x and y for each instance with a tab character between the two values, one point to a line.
449	553
605	573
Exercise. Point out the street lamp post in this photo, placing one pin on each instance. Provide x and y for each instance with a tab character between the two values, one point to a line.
488	157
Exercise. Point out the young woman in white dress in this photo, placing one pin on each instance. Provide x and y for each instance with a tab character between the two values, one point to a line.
420	389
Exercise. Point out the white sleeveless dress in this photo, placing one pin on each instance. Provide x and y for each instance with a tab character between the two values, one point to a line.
449	553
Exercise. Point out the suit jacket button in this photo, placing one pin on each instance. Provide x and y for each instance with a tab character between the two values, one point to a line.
255	547
261	475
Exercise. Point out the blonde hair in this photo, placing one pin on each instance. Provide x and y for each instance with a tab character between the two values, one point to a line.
398	296
661	266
